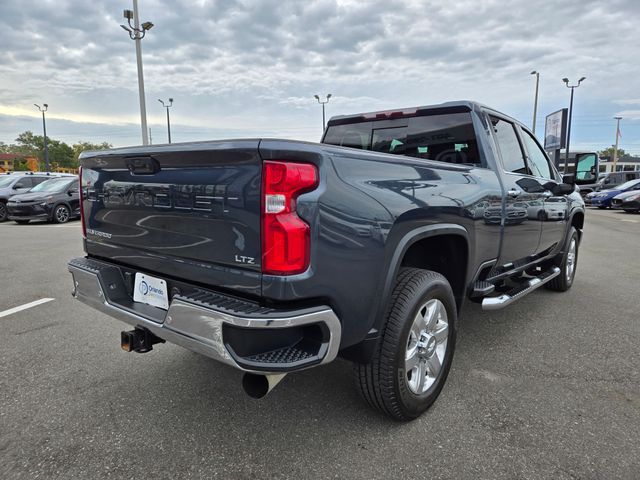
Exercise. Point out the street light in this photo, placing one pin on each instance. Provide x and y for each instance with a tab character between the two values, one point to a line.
168	122
615	149
572	87
44	127
137	32
323	103
535	102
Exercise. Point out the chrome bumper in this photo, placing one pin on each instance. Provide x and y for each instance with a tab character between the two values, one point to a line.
196	323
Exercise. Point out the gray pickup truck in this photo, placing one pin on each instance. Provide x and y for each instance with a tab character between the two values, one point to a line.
274	256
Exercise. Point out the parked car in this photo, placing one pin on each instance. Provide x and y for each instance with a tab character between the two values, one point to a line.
611	180
602	198
274	256
55	200
15	183
627	201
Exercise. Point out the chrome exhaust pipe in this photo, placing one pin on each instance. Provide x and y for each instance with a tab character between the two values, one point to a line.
257	385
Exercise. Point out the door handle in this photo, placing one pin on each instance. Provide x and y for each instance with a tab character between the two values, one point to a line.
514	192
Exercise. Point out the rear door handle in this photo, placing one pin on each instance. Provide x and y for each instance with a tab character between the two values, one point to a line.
514	192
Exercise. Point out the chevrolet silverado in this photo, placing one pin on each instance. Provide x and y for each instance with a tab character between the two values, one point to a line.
274	256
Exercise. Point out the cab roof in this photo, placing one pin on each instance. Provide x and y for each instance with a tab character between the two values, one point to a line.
447	107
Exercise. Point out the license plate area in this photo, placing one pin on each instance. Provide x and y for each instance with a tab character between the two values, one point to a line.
150	291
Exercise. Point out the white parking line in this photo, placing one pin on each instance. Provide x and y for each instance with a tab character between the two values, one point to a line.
25	306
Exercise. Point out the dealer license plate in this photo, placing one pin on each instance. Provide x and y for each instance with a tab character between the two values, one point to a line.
151	290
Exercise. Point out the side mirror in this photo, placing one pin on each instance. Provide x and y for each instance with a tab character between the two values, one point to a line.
564	189
586	168
72	191
558	189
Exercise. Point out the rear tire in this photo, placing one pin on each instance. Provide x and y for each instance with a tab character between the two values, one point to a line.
3	211
413	358
567	264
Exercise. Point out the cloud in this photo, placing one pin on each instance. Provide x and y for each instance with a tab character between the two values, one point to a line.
253	64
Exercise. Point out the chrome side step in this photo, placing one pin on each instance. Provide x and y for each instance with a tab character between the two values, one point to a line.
501	301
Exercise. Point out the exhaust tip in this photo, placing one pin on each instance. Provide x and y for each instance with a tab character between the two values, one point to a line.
257	386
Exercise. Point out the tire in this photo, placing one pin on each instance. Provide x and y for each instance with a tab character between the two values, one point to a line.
567	263
61	214
389	383
21	222
3	211
602	207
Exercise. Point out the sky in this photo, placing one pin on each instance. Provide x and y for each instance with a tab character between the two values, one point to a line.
250	68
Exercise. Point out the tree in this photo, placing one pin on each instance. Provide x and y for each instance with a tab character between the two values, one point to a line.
29	144
608	153
80	147
60	153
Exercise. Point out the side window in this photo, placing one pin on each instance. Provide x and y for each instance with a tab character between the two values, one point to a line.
510	151
38	180
24	183
537	159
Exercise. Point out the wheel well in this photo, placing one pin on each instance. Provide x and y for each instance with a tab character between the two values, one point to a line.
445	254
577	221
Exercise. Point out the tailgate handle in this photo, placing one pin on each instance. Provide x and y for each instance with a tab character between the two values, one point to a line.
142	165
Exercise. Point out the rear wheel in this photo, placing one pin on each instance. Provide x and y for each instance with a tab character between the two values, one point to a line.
3	211
61	214
413	359
567	264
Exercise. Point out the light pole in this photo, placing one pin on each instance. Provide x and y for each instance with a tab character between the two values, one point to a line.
615	149
572	87
44	127
535	102
323	103
137	33
168	122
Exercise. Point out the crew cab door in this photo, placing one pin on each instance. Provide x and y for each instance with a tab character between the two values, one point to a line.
555	209
521	215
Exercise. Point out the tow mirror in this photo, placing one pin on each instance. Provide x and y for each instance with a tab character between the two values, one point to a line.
586	168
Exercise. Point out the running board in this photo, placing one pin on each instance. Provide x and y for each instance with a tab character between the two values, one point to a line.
501	301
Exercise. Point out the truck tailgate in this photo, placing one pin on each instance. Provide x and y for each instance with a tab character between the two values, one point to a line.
189	212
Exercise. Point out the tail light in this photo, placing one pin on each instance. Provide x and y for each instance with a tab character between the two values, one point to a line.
81	192
285	236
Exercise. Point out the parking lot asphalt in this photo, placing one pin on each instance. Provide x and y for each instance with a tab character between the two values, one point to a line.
547	388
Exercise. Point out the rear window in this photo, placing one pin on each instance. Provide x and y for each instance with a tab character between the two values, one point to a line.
446	138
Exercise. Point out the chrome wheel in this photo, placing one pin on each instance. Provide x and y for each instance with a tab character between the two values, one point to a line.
571	260
62	214
426	346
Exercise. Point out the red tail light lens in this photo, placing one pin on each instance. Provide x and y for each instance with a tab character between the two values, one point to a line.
81	192
285	236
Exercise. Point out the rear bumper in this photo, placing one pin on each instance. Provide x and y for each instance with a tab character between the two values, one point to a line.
241	334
